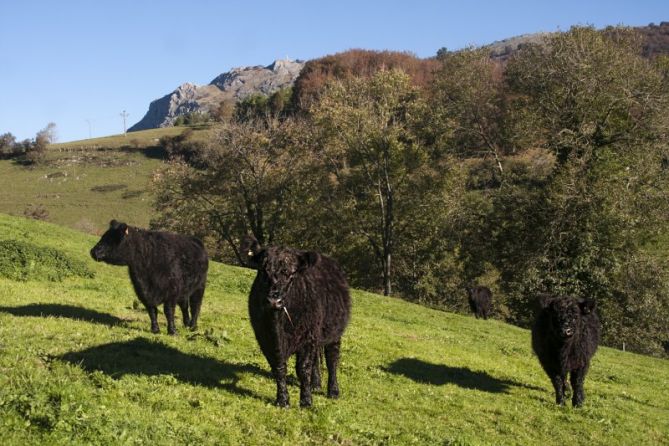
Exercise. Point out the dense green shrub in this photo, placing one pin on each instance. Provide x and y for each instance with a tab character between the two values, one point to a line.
24	261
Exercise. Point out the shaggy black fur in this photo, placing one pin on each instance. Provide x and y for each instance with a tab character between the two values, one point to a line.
165	268
565	336
299	303
480	301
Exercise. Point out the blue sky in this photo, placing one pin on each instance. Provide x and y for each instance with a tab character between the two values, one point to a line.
71	61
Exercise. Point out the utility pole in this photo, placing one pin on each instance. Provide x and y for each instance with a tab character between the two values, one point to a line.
124	115
90	134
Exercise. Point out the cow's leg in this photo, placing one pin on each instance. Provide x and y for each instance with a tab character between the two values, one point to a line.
153	314
316	370
279	372
332	361
558	380
184	311
577	377
304	365
169	315
195	304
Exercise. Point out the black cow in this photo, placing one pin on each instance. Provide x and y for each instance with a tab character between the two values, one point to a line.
165	268
565	336
480	301
299	304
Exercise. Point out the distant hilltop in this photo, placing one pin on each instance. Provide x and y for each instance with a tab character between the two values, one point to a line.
233	86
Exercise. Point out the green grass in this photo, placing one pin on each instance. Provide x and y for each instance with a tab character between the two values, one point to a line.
85	184
78	365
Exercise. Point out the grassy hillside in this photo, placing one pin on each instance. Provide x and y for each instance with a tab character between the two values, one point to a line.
84	184
78	365
143	138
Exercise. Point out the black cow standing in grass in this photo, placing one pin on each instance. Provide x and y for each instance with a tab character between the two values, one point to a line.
565	336
165	268
480	301
299	304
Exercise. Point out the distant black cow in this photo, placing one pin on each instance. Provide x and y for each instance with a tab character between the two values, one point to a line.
565	336
480	301
299	303
165	268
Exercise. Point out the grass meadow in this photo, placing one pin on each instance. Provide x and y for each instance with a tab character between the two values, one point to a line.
85	184
78	365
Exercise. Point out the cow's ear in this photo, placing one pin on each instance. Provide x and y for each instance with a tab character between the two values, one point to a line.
122	229
249	248
308	259
113	224
587	306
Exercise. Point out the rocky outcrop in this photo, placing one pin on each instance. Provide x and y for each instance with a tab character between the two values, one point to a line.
234	85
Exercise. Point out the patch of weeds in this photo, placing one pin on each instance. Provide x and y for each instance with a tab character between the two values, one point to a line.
36	212
41	411
23	261
217	339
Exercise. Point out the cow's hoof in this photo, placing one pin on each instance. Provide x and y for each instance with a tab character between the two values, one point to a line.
155	330
281	403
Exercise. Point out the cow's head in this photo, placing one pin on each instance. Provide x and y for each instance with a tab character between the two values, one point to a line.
566	312
111	247
278	265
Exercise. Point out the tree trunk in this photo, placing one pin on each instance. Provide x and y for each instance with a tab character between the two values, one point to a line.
387	233
386	275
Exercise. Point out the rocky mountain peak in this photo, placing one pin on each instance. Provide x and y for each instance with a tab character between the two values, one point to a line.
234	85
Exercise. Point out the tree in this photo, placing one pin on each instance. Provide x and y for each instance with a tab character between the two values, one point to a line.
48	133
467	106
378	175
260	106
7	144
246	179
597	107
36	150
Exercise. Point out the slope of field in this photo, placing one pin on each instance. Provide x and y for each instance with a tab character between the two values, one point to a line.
78	365
84	184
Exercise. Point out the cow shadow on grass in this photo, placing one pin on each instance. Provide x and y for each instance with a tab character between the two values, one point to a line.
143	357
439	375
64	311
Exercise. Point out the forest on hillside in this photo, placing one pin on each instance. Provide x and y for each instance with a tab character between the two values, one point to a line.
544	172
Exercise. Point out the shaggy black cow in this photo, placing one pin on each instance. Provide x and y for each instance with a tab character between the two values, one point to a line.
565	336
480	301
165	268
299	303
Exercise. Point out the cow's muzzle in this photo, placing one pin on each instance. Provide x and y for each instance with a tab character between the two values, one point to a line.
275	302
95	255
